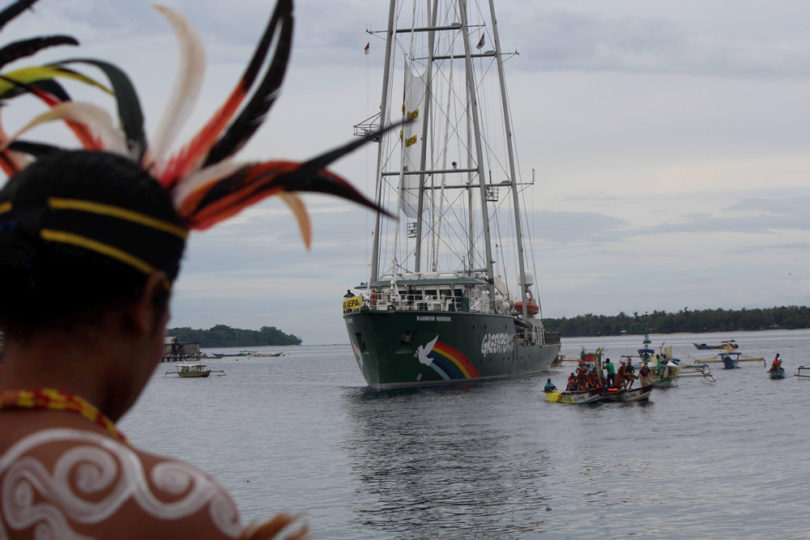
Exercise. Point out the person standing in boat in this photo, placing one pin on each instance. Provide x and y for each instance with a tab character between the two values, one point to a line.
644	374
630	373
611	371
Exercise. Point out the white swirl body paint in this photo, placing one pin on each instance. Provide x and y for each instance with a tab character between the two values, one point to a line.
32	496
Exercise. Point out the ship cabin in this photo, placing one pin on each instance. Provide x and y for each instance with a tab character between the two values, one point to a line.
431	292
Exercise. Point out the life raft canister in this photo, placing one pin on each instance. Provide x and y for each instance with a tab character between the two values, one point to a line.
531	308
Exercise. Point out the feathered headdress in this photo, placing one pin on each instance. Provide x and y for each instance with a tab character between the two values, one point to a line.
204	180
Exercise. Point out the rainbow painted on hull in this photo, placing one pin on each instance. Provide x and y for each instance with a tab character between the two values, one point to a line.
450	363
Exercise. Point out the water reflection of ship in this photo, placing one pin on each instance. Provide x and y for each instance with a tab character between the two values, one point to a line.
421	462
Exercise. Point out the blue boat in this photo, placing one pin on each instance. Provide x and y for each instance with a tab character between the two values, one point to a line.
646	353
778	373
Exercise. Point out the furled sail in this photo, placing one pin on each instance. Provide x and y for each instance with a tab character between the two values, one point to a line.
412	109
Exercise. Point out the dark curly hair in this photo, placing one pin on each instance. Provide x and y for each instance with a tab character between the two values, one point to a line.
80	230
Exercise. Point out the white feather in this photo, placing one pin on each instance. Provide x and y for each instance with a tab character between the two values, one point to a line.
202	178
187	83
94	117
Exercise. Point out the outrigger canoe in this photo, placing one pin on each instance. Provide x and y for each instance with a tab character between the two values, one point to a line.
193	371
728	344
577	398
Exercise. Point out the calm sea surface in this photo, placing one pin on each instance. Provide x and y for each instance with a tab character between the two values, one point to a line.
302	433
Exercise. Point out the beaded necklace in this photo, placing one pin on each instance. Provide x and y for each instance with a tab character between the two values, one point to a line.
54	400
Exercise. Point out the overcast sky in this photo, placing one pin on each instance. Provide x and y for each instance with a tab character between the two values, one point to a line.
670	142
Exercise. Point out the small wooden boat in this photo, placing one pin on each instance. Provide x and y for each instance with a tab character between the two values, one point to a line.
646	352
727	344
778	373
193	371
642	393
582	397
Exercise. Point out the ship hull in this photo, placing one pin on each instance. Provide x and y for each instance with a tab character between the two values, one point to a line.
399	349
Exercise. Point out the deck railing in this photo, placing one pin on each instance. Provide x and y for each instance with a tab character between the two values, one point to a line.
406	302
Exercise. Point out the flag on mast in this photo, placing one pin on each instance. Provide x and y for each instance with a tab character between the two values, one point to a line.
366	48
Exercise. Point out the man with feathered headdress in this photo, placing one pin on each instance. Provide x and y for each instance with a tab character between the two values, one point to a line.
90	245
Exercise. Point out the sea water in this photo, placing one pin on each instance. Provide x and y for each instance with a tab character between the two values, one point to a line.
301	432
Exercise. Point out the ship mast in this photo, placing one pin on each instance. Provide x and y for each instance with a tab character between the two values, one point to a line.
475	150
389	39
425	126
507	121
479	151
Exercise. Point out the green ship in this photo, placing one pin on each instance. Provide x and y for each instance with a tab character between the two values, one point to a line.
439	310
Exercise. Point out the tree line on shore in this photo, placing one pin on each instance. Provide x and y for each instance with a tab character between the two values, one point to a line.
224	336
685	320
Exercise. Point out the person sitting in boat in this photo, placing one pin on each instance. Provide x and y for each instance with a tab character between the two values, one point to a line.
593	379
572	383
777	363
549	386
611	371
644	374
619	381
579	380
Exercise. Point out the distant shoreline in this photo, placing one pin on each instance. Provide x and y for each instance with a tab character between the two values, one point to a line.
684	321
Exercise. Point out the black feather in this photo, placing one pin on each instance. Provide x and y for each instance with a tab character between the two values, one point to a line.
254	113
53	88
33	148
26	47
312	166
130	113
13	10
309	176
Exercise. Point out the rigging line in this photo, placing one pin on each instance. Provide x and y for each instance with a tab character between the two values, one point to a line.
443	176
455	231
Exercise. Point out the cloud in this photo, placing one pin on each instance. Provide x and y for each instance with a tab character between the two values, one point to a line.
680	39
565	228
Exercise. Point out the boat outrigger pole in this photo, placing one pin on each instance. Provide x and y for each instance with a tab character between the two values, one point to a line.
389	39
507	120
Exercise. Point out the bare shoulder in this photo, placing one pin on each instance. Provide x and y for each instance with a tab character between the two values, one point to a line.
64	482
